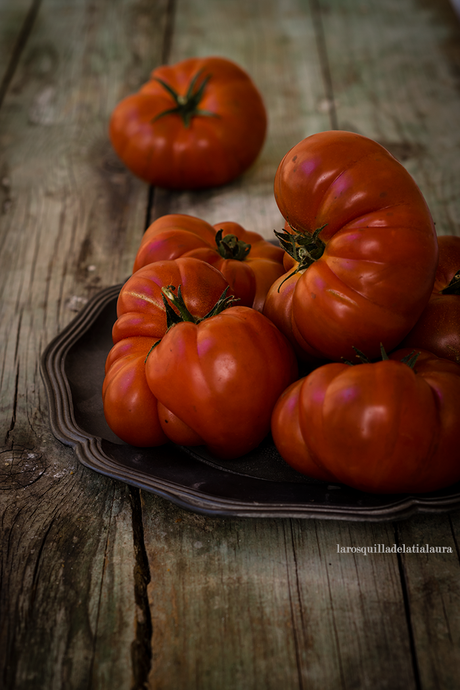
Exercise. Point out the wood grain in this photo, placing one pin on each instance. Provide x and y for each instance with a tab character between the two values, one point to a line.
101	586
71	594
394	76
272	603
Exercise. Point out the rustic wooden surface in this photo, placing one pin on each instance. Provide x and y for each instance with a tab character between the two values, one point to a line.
103	586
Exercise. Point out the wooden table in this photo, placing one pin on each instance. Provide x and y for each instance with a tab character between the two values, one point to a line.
107	586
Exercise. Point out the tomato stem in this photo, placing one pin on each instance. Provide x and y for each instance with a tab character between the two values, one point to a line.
230	247
173	318
304	249
454	286
409	359
187	105
171	300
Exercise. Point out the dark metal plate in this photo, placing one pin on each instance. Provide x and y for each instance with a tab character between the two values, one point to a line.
260	484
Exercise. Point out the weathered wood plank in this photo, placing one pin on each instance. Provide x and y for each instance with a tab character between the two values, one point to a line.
433	591
230	603
268	604
15	26
72	579
350	622
394	73
275	43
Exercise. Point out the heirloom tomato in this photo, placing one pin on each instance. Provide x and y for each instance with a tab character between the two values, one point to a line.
383	427
198	123
130	409
364	245
248	262
438	328
218	380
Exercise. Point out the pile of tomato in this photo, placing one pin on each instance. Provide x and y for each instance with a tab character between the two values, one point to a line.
341	339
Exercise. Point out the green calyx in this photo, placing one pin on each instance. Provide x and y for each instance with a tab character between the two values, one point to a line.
170	300
454	286
409	359
187	106
230	247
304	249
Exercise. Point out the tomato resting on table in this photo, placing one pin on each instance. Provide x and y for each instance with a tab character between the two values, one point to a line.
185	371
129	406
384	427
438	328
248	262
199	123
364	245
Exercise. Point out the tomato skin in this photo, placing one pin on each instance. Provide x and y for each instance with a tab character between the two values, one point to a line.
288	437
438	328
379	427
213	149
377	270
140	307
215	378
179	235
130	408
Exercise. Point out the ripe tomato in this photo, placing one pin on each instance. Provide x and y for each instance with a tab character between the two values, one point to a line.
218	381
364	242
198	123
248	262
140	305
130	409
438	328
381	427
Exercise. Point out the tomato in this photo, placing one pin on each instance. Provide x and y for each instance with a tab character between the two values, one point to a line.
364	243
248	262
199	123
438	328
381	427
140	305
130	409
218	381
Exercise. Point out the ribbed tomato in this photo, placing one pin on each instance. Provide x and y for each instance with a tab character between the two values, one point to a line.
249	263
198	123
438	328
130	409
364	243
217	381
383	427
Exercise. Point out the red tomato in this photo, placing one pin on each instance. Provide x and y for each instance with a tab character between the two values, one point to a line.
140	306
198	123
218	381
438	328
248	262
365	243
381	427
130	409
